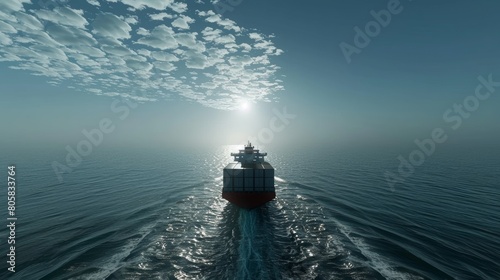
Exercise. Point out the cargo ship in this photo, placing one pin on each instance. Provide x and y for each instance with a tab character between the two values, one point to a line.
249	181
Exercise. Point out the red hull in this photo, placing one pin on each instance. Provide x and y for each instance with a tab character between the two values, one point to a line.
249	200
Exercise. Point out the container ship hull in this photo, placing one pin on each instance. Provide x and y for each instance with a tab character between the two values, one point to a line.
249	200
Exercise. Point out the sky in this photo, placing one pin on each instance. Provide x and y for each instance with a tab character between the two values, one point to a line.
166	73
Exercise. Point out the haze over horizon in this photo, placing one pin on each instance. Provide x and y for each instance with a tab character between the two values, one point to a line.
200	77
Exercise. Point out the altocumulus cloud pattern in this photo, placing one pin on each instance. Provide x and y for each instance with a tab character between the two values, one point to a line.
145	50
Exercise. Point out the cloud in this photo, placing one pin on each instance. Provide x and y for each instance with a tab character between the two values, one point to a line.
210	16
241	60
70	36
7	28
195	60
189	40
179	7
142	4
49	52
111	26
225	39
160	38
13	5
4	39
94	2
137	64
129	53
117	49
164	56
255	36
182	22
131	20
246	47
160	16
38	70
64	16
142	31
210	34
164	66
27	23
90	51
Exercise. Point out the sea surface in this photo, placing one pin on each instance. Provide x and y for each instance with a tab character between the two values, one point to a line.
158	214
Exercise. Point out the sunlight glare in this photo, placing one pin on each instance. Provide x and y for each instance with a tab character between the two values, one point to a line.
245	106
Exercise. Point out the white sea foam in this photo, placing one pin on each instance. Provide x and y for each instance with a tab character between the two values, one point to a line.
115	262
375	261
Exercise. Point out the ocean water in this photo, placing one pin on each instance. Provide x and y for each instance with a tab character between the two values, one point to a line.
159	215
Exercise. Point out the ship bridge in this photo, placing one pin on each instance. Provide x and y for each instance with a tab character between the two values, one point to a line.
249	155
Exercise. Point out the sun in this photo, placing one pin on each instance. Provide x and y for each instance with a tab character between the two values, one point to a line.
244	106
